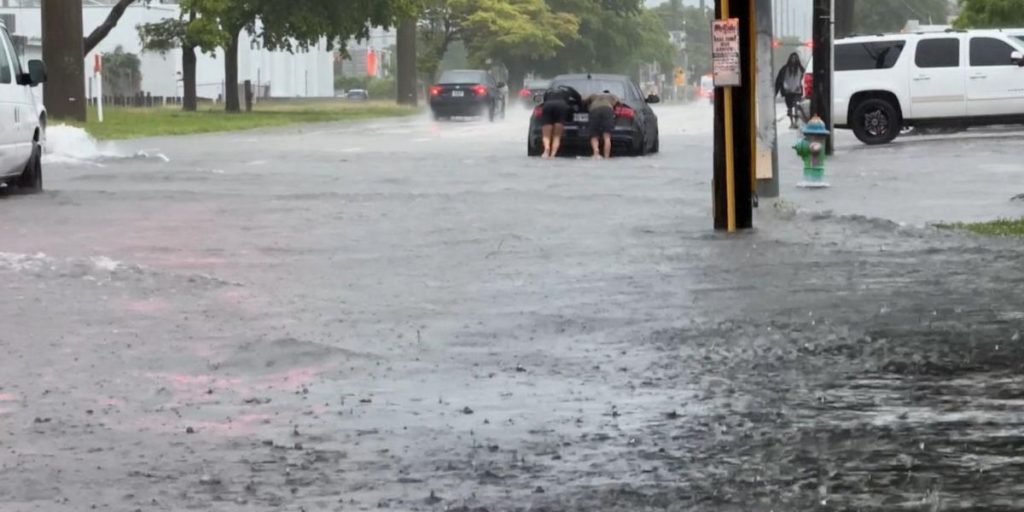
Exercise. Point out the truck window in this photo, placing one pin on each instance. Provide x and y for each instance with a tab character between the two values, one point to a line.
863	56
989	51
6	57
938	53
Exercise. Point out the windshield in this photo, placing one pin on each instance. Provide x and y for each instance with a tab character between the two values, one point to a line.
462	77
587	87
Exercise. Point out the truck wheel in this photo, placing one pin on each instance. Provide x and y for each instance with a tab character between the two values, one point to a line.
875	122
31	179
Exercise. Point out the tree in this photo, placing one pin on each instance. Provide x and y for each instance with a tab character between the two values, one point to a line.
181	32
990	14
879	16
516	33
287	26
122	73
100	32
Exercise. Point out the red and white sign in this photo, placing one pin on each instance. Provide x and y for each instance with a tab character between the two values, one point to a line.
97	66
725	53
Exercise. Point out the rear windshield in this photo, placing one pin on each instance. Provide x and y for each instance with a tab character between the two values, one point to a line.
463	77
587	87
862	56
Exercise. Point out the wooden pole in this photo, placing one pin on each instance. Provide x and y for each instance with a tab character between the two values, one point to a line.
64	94
407	83
735	141
821	99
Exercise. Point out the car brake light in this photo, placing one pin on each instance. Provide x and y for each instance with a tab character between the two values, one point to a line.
480	90
538	112
524	93
435	90
808	85
624	112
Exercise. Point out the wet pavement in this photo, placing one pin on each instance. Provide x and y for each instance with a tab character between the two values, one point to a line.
404	315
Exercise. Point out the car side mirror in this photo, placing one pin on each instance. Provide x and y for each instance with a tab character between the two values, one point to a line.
1017	58
653	98
36	72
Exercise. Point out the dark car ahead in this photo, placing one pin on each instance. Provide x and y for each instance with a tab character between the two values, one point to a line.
464	93
636	125
530	94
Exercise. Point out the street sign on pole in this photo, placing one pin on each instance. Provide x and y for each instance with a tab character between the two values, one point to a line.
725	52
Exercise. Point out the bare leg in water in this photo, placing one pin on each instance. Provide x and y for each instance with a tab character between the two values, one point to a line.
595	144
607	145
546	132
556	139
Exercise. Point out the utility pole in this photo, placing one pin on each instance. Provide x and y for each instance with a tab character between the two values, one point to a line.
845	12
64	94
767	161
407	83
821	98
735	124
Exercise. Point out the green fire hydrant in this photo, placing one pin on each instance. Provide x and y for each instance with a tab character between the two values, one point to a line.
812	149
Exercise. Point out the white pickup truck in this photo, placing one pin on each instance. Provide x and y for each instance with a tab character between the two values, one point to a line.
885	83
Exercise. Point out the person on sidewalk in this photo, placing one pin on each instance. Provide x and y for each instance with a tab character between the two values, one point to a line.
601	107
789	83
555	112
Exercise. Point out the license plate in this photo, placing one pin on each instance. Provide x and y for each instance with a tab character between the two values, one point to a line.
458	94
581	118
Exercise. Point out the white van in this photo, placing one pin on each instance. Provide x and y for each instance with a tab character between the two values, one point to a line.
22	119
885	83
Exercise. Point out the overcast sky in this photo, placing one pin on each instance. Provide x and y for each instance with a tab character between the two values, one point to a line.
797	23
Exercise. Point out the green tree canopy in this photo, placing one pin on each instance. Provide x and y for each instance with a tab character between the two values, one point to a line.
991	14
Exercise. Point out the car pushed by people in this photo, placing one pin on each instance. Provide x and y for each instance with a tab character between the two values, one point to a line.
633	127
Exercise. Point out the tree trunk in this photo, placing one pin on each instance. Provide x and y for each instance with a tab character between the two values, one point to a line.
407	83
231	103
516	77
189	101
108	24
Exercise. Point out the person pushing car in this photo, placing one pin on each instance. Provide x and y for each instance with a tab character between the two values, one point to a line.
601	107
555	111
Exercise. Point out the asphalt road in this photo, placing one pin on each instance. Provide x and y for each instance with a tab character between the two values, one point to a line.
404	315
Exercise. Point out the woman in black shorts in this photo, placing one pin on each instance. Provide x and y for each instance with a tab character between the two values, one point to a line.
555	113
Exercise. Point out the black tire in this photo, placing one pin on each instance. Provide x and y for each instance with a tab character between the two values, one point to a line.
31	179
656	148
492	112
533	150
641	148
875	121
436	116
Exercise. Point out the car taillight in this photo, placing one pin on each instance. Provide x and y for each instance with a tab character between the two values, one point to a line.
435	90
624	112
524	93
480	90
808	85
538	112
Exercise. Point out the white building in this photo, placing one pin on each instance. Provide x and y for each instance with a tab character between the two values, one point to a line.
303	74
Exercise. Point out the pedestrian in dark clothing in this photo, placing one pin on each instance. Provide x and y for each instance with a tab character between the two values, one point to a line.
555	111
790	84
601	108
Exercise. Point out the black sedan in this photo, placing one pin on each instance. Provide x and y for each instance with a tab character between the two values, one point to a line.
467	93
636	125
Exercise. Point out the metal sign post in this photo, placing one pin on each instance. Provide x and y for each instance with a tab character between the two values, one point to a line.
97	70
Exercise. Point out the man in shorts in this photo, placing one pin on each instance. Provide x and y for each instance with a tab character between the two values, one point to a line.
601	107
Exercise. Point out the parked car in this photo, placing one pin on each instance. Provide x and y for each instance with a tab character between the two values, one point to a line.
467	93
532	92
636	125
357	95
885	84
22	119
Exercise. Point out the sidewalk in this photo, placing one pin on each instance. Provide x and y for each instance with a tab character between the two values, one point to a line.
916	180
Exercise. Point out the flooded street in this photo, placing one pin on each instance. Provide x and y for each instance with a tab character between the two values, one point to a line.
412	316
